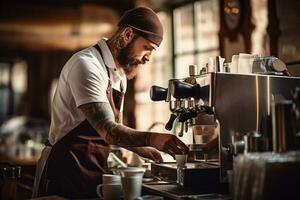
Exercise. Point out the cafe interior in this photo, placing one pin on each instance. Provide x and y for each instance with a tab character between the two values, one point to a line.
227	73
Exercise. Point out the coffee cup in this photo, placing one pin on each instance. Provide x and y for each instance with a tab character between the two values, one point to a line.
111	179
110	191
181	159
132	179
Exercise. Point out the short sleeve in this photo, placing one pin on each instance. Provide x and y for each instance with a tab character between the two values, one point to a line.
88	82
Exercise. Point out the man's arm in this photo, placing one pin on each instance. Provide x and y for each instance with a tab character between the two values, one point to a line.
101	117
147	152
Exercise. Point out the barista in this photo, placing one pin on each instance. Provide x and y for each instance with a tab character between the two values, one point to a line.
87	110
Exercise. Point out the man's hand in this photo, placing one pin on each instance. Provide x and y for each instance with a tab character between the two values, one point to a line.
167	143
147	152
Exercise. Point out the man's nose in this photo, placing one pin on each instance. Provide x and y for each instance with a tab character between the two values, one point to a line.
146	58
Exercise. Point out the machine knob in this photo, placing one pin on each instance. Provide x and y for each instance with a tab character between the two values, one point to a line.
158	93
181	90
279	66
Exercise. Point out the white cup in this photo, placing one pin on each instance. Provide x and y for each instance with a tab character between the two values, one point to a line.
111	179
245	63
132	179
109	191
181	159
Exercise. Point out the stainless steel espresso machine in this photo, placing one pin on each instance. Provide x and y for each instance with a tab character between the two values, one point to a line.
229	106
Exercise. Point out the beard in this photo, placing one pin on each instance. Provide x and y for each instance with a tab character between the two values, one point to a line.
127	61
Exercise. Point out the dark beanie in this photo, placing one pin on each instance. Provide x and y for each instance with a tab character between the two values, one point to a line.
145	22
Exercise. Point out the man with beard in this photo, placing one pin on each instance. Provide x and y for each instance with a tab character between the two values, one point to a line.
86	111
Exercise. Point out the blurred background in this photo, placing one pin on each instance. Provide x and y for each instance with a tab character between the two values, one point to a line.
38	37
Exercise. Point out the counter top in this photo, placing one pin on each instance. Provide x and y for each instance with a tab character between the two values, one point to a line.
17	160
177	192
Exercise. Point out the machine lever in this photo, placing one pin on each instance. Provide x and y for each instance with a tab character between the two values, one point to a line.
169	124
186	127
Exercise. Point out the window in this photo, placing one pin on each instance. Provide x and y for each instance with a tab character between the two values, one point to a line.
158	71
260	40
13	86
19	86
5	91
196	28
194	39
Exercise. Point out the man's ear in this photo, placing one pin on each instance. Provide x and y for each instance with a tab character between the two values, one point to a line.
127	34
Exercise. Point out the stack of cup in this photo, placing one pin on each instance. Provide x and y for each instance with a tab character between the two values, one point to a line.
111	188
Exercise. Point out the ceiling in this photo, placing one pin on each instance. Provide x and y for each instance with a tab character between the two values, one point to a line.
57	25
63	24
52	27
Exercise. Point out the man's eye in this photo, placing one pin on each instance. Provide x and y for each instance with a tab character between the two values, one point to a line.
147	48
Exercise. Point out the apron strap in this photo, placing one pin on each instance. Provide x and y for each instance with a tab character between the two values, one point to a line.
47	143
39	181
114	96
100	52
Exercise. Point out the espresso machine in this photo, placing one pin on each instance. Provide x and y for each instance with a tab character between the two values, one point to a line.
229	106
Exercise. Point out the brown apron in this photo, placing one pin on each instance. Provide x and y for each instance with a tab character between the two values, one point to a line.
76	163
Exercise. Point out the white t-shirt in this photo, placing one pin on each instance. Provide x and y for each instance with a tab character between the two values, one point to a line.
83	80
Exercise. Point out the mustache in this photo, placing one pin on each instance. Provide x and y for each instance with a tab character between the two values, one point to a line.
137	62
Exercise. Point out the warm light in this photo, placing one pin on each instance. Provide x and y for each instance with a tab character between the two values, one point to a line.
234	10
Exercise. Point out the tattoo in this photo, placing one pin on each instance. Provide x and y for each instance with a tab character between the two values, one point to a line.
116	42
96	113
127	137
101	117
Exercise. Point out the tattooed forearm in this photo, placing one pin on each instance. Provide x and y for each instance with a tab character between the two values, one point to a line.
101	117
96	113
126	137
